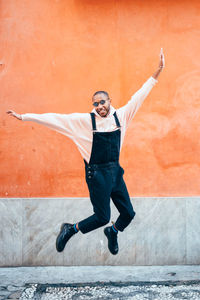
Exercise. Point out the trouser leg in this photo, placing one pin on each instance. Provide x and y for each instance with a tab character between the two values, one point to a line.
99	186
122	201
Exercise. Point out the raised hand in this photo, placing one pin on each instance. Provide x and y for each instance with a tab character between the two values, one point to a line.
162	59
14	114
160	66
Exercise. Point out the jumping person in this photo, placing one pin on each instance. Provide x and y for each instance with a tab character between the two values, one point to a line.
99	136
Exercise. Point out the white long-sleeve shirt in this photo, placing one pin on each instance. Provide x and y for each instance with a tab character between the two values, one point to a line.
78	126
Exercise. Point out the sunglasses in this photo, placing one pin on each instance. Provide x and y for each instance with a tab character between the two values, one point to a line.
96	104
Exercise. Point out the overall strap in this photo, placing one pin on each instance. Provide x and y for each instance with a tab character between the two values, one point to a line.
93	121
94	127
116	119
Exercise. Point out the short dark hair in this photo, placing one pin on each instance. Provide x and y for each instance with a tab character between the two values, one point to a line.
101	92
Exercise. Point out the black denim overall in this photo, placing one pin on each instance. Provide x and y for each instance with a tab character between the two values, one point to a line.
104	177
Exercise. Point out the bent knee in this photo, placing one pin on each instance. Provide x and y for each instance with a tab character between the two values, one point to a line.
103	220
131	215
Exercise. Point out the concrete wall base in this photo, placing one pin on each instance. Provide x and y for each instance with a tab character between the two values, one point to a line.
165	231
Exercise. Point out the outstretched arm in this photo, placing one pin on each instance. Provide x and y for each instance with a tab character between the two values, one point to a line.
67	124
129	110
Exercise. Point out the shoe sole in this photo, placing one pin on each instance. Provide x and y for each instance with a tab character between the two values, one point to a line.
61	228
105	232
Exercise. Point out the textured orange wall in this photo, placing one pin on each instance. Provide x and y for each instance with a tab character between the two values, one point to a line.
55	54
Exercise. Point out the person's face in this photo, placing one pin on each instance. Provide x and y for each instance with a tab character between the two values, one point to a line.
103	108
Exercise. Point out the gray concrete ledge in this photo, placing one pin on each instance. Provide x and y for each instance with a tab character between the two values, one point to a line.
165	231
20	276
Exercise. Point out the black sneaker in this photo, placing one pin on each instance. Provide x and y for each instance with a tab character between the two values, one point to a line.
66	232
112	240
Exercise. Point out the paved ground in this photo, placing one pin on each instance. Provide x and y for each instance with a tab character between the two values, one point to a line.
101	282
113	291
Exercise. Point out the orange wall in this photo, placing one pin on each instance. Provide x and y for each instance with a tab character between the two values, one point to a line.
56	53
